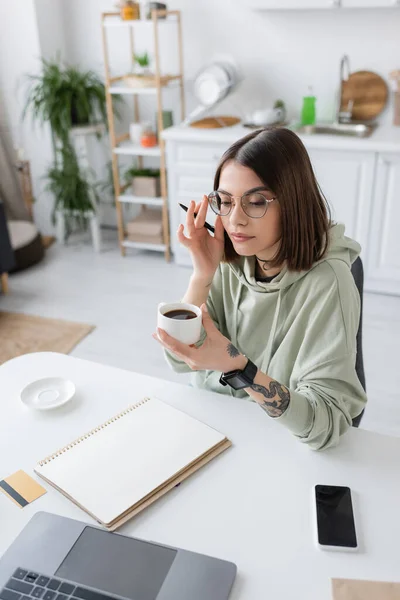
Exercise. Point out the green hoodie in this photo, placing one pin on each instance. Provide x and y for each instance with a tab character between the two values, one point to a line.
301	330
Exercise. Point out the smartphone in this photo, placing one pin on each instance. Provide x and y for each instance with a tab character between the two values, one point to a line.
335	518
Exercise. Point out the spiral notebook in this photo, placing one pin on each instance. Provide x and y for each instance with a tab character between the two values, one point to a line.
124	465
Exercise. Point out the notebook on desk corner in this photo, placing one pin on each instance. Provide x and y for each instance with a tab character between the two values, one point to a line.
124	465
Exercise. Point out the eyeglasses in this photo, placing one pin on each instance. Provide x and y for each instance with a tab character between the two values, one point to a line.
254	204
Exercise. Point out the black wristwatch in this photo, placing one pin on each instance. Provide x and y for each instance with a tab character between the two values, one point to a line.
241	378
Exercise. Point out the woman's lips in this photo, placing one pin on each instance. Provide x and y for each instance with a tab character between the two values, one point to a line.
237	237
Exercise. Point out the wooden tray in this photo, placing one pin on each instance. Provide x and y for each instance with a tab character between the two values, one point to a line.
369	93
142	81
215	122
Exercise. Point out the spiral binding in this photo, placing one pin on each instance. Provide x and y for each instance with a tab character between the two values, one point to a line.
48	459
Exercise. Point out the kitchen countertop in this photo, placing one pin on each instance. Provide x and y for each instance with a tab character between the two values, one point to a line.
383	139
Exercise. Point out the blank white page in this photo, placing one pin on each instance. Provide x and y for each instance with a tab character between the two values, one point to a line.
118	465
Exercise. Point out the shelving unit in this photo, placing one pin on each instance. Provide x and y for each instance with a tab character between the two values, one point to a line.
121	144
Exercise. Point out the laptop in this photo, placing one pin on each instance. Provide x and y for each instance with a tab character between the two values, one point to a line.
55	558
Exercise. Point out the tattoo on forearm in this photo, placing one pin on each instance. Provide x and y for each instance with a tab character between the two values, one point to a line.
278	398
232	351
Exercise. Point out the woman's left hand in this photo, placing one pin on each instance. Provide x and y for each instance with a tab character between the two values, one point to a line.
216	354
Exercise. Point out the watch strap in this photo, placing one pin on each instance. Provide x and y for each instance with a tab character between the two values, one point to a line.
247	374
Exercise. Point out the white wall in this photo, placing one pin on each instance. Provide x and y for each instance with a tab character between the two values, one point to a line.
19	52
279	53
51	27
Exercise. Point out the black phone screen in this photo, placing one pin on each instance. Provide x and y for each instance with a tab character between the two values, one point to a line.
335	518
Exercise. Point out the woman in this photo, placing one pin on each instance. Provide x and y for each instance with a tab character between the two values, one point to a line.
280	307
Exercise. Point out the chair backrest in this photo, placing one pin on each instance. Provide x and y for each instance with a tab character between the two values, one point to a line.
7	260
358	275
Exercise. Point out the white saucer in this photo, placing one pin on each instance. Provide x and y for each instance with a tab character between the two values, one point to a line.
47	393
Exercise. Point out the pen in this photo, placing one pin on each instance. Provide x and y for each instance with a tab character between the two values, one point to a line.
206	225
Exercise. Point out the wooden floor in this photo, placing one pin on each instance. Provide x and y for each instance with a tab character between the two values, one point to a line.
120	297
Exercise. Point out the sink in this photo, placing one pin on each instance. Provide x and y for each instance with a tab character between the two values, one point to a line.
350	129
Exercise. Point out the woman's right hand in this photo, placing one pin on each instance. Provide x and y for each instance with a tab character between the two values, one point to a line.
206	250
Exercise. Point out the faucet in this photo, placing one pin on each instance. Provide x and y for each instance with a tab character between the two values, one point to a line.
339	116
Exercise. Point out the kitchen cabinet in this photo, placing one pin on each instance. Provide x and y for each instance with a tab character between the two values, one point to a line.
370	3
191	167
383	264
319	4
346	180
291	4
360	179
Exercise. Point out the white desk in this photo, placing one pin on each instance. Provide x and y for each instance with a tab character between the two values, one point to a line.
252	505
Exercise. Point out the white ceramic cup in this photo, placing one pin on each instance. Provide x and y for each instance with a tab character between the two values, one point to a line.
186	331
135	132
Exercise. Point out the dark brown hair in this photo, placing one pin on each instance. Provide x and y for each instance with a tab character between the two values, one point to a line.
280	160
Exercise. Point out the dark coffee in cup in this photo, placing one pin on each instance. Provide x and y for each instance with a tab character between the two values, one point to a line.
180	314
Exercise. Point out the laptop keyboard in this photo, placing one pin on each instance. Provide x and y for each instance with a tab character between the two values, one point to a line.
25	585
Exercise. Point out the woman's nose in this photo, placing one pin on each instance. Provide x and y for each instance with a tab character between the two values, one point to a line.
237	215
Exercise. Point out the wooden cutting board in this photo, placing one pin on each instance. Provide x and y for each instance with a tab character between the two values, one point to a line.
369	93
215	122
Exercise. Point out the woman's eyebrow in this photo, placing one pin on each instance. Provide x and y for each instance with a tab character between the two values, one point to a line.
261	188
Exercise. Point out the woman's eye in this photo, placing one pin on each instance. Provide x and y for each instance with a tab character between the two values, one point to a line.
257	203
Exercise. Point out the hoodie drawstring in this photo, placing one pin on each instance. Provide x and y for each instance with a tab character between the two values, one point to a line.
236	304
268	352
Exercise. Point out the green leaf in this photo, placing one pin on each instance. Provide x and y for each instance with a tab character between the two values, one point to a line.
64	96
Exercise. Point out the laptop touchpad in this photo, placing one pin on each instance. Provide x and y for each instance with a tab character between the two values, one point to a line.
117	564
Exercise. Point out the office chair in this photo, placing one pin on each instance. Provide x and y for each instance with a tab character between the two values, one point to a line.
358	275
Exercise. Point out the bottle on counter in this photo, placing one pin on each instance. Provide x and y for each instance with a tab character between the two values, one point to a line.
395	85
308	110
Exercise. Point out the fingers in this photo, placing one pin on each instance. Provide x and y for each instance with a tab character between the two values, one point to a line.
191	229
181	350
208	323
182	239
201	213
219	232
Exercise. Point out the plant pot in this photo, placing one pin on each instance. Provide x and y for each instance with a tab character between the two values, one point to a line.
75	120
148	187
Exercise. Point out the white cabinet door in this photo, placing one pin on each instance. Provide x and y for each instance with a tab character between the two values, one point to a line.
291	4
187	188
383	272
191	167
346	179
318	4
370	3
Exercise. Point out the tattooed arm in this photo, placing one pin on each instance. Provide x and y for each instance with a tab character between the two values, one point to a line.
272	396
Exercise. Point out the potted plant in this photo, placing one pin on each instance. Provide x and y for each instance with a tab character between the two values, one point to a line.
75	195
141	64
142	75
64	97
145	182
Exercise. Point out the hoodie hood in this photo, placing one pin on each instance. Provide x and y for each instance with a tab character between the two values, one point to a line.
340	248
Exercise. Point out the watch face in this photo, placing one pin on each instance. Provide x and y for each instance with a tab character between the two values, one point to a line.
236	382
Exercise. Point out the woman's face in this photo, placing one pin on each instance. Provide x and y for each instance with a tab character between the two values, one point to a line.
250	236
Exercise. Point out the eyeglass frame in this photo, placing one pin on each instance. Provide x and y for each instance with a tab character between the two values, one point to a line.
252	191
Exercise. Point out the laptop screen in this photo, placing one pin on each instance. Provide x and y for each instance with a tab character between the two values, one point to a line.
117	564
